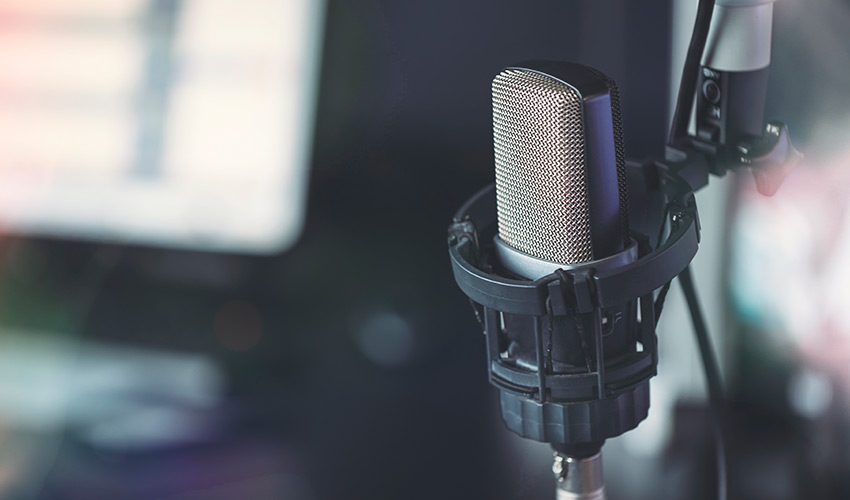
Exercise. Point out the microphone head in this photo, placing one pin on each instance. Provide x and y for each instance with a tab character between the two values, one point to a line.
560	167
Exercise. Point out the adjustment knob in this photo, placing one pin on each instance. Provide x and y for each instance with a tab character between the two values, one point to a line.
771	158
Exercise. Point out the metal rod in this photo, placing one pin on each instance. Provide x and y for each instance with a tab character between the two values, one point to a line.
541	358
600	366
491	331
647	326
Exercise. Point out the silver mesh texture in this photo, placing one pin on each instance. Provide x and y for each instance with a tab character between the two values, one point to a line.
541	194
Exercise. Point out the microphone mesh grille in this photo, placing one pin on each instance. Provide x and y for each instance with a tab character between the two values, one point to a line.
541	193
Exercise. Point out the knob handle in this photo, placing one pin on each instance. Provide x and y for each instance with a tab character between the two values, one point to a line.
771	158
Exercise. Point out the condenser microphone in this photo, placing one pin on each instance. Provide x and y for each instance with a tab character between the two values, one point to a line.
555	273
732	82
731	90
561	205
548	259
560	168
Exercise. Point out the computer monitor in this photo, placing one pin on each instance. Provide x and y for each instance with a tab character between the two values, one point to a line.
174	123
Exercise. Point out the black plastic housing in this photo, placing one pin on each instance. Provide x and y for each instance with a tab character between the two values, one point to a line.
610	394
730	108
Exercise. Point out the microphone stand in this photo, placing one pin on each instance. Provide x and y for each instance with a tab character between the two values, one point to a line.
607	401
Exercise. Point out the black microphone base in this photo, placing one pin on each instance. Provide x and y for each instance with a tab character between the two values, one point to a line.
575	424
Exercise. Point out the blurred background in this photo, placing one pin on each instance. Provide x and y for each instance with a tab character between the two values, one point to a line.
223	263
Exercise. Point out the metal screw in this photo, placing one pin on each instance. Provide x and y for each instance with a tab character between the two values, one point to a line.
559	469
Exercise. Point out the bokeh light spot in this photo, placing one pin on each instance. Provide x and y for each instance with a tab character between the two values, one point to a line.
810	392
385	338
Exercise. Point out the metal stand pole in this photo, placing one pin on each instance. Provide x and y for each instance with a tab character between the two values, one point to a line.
579	478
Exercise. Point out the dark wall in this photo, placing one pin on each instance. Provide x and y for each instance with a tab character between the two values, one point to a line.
399	75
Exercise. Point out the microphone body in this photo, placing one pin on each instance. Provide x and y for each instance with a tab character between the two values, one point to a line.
560	167
733	77
561	199
554	273
562	206
547	256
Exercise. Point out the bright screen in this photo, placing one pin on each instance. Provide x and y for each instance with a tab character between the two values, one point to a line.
180	123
